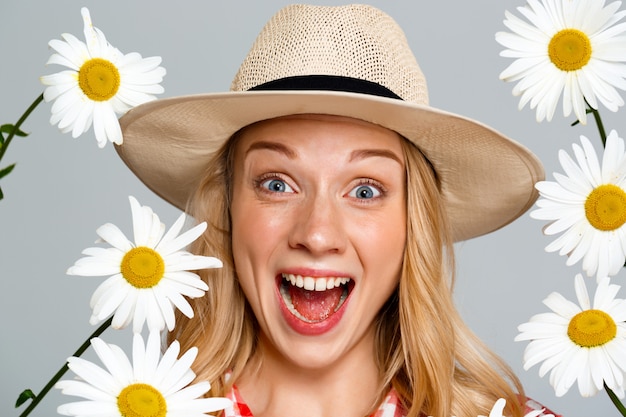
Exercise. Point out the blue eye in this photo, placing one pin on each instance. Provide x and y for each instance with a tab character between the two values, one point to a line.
364	192
277	186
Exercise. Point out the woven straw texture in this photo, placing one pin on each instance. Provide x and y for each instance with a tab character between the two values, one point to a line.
343	41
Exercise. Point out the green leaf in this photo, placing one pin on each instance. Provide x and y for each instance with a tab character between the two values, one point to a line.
6	171
8	128
1	194
26	395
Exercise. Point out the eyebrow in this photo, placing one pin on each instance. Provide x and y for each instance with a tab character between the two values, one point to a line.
368	153
273	146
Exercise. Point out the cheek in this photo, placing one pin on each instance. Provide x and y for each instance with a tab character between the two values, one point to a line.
247	231
256	233
381	244
247	228
245	237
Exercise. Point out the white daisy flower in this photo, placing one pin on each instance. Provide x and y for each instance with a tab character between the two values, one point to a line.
588	205
570	47
100	82
152	386
580	342
149	277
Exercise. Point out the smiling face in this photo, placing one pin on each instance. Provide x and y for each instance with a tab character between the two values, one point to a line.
318	232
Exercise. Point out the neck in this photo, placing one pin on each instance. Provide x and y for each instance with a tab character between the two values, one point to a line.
274	386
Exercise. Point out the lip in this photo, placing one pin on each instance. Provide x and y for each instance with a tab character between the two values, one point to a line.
311	329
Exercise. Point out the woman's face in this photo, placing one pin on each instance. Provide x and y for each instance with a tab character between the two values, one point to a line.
318	232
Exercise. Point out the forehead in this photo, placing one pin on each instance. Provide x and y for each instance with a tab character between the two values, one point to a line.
334	132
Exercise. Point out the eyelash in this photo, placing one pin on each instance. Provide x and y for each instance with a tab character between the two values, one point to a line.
258	182
369	182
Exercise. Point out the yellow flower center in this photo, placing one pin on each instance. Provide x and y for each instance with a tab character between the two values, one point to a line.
99	79
605	207
569	49
141	400
142	267
591	328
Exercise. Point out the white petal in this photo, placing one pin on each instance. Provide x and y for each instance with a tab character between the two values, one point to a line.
89	408
111	234
82	389
154	318
167	362
201	405
124	313
180	374
94	375
165	306
114	359
173	244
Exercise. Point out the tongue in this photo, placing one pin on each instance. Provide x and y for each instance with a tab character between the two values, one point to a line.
315	306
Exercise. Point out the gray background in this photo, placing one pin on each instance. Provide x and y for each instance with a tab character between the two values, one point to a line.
63	189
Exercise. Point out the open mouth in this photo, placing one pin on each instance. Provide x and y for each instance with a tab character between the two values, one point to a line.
313	300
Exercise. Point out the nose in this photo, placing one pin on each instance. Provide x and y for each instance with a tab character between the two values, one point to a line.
319	226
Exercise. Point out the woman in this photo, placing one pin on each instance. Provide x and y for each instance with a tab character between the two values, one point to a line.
334	193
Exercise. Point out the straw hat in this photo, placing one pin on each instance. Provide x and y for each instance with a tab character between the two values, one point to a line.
349	61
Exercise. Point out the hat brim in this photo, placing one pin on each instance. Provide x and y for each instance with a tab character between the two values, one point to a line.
487	179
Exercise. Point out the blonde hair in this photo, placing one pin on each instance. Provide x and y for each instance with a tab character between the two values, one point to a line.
423	348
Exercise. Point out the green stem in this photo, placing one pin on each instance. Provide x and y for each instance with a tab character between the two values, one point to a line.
620	407
64	369
17	125
596	116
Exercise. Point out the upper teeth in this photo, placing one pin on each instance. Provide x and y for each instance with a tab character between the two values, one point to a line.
317	284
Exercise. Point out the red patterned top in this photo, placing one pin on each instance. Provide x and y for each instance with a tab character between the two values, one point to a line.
390	407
